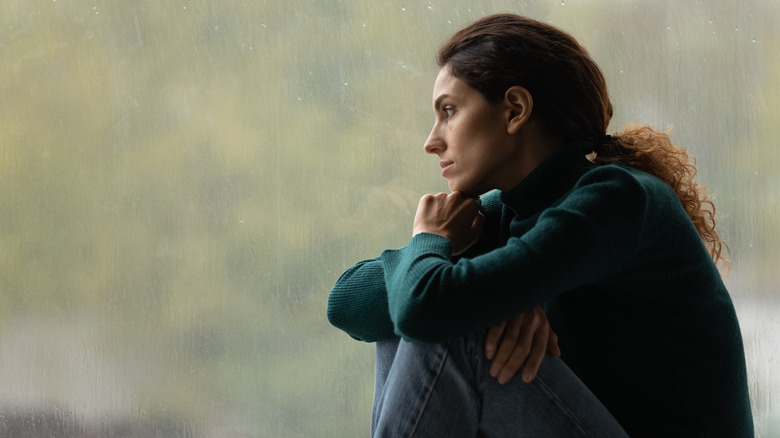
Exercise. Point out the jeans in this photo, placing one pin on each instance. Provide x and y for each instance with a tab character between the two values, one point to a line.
445	390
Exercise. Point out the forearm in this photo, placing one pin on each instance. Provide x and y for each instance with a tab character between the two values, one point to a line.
434	297
358	302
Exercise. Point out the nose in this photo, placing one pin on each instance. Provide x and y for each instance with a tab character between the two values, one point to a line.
434	144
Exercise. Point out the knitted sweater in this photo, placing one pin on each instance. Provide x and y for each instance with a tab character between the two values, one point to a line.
641	312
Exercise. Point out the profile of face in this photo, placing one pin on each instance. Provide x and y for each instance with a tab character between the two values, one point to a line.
472	138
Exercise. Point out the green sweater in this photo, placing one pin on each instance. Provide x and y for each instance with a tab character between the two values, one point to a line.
640	309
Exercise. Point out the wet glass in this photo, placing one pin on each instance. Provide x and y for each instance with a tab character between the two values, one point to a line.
182	183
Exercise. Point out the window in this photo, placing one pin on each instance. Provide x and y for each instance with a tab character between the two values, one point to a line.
182	183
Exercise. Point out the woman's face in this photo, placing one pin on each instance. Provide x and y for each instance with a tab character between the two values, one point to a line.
470	138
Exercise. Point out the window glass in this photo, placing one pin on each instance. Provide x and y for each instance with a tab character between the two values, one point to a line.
183	182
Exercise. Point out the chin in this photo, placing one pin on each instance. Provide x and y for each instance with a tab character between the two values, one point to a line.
468	191
454	187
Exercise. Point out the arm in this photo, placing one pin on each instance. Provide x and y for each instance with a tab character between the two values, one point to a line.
357	304
588	236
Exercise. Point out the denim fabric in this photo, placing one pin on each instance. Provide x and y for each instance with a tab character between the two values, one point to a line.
445	390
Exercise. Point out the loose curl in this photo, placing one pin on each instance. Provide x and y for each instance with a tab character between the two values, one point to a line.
571	100
643	148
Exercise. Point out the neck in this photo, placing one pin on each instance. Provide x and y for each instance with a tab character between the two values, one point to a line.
534	145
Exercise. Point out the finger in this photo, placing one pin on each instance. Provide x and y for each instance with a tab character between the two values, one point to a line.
522	349
432	215
479	222
469	235
552	344
465	203
507	345
535	357
491	342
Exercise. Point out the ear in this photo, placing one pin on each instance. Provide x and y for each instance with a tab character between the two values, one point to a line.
520	104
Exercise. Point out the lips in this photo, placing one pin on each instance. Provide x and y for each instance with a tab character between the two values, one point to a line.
445	165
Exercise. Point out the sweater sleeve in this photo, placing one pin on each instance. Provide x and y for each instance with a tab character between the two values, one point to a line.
357	304
586	237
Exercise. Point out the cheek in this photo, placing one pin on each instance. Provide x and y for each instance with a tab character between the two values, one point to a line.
469	138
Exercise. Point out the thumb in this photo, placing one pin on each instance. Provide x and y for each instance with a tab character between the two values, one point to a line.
479	223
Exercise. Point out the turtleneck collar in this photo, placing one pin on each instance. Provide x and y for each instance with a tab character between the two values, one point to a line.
550	180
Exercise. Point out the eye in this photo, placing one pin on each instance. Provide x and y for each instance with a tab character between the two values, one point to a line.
449	111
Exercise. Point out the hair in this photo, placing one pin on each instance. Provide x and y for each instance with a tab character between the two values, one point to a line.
571	100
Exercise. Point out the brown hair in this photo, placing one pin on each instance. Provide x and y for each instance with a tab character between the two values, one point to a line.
570	99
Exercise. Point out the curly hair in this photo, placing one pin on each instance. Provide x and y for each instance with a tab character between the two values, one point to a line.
643	148
571	100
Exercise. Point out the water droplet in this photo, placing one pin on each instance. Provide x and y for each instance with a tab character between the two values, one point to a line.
754	40
403	8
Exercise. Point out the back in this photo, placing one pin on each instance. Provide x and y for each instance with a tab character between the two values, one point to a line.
659	343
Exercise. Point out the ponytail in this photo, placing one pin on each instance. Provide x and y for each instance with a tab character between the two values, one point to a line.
643	148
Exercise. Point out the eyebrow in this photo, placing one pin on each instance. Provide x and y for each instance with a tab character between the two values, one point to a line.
437	104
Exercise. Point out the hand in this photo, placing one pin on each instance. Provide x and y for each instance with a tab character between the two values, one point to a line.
454	216
524	340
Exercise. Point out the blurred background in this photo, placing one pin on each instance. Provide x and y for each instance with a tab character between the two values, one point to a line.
183	181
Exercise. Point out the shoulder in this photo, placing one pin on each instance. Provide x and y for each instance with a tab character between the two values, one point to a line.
626	180
618	173
614	192
625	192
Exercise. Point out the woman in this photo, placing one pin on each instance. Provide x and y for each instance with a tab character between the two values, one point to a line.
609	234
